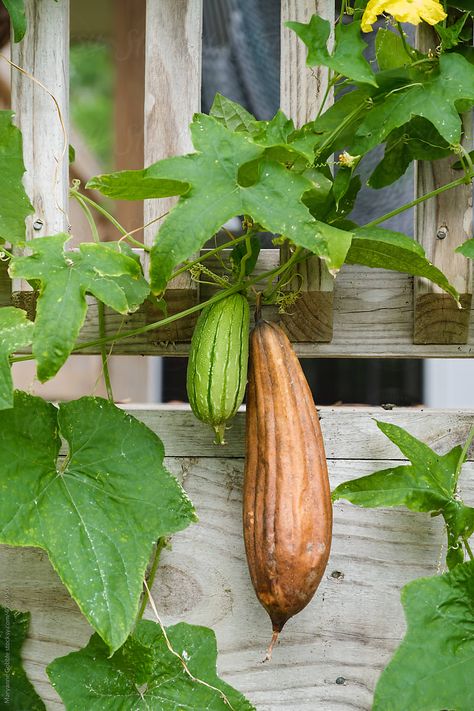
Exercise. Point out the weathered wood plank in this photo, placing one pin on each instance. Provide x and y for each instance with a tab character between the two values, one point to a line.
301	93
44	54
348	631
349	432
129	56
441	225
172	95
373	317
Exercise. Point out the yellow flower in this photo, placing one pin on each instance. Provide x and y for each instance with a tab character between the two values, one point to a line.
412	11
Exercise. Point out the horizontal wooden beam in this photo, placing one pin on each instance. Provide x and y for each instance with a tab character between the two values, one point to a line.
373	318
349	432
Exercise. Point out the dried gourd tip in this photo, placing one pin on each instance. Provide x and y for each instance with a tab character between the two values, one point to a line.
268	655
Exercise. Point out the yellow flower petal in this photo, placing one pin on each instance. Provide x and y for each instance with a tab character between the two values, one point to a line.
411	11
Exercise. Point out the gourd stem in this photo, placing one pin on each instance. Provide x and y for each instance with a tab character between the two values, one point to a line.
268	656
160	544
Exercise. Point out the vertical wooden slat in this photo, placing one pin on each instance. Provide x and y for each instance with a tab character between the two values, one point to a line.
301	92
441	225
129	52
172	95
44	54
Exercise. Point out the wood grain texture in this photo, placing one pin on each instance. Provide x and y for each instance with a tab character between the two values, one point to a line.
172	95
348	632
301	92
442	224
373	317
44	54
129	56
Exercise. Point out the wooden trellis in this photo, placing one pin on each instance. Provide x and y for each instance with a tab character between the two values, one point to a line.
332	653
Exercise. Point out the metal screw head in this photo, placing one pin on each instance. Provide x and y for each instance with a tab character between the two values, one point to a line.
337	575
340	680
442	232
38	224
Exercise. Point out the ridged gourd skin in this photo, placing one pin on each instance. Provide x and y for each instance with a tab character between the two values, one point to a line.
218	362
287	510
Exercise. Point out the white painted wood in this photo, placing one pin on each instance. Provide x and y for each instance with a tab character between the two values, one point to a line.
172	86
44	54
348	631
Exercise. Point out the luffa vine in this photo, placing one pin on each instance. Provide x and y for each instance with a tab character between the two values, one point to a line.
280	178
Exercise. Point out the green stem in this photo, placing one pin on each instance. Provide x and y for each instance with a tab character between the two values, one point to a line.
160	544
463	455
5	251
210	253
449	186
103	352
294	259
404	41
88	214
330	85
246	257
468	548
125	235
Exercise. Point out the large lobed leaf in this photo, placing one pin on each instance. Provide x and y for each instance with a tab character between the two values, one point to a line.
15	332
347	58
433	668
14	203
378	247
432	96
99	513
427	484
416	140
65	277
145	675
229	175
16	690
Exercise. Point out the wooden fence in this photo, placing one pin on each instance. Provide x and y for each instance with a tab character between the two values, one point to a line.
331	654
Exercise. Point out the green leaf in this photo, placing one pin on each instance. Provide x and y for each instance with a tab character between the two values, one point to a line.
462	5
65	278
15	332
219	187
90	679
434	666
15	205
450	36
98	513
231	114
389	50
16	10
433	97
347	58
424	485
427	484
341	184
282	142
416	140
466	248
16	690
378	247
